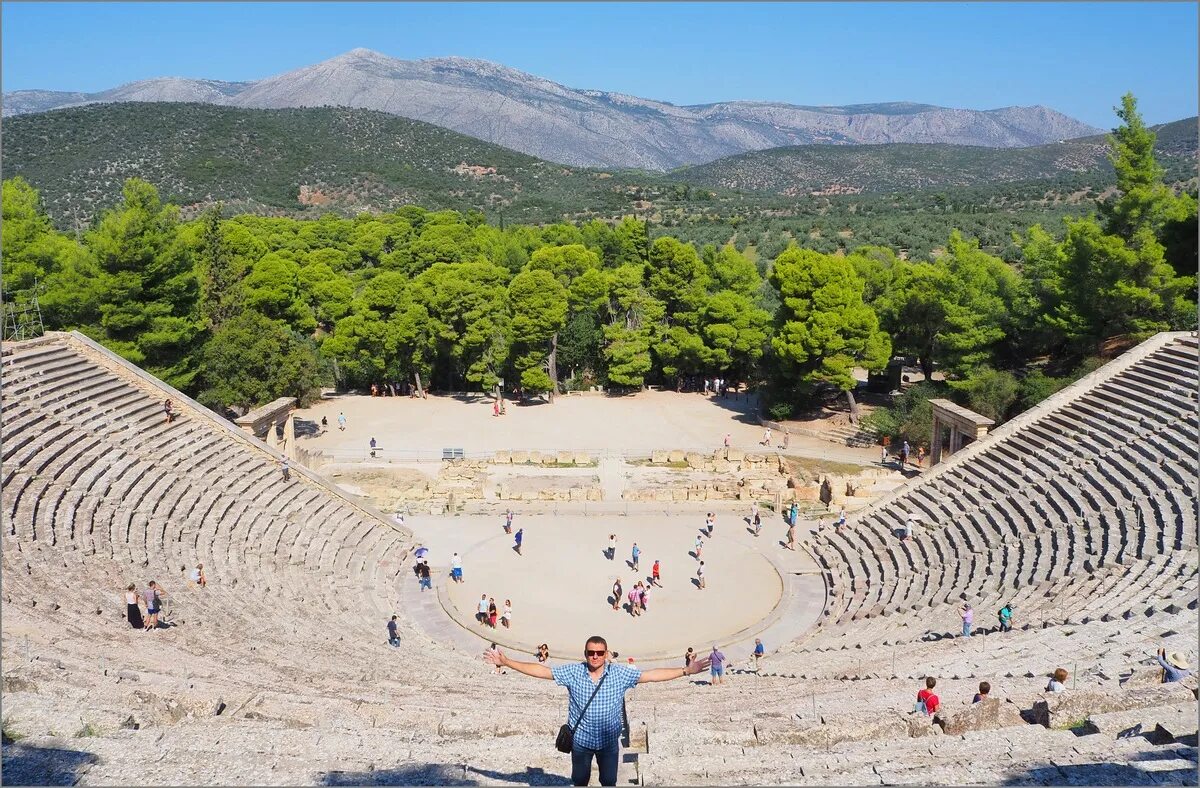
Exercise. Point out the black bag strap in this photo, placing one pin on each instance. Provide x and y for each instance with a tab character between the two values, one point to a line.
589	703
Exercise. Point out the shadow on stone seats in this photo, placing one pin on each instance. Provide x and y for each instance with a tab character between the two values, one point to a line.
304	427
29	764
1106	773
443	774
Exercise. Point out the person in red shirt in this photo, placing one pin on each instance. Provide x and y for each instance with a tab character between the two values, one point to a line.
928	697
654	574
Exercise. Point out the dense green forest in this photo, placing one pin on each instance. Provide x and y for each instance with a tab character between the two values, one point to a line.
237	310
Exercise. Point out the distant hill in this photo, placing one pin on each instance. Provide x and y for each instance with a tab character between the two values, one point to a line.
290	161
580	127
827	169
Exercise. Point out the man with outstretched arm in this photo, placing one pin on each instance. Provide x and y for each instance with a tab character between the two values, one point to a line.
598	733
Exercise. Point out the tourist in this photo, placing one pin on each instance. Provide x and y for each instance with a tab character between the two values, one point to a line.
393	635
481	610
1058	681
645	596
903	455
968	617
710	523
791	538
398	518
373	445
920	456
133	609
793	513
984	689
927	701
688	656
543	653
700	575
654	574
197	576
169	410
637	551
698	546
906	530
1174	665
753	510
757	653
757	523
423	575
1005	616
493	612
786	436
594	709
635	600
506	616
766	441
324	424
716	661
456	573
612	547
286	468
495	407
840	521
884	450
727	438
518	537
153	597
617	593
508	518
341	421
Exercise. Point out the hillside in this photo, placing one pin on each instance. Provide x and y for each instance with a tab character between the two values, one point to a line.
289	161
827	169
592	128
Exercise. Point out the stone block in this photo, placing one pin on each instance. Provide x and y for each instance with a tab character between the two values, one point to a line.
679	494
658	457
594	494
920	725
581	458
1060	710
755	459
983	716
549	459
697	495
578	494
694	459
675	455
735	455
520	457
708	466
662	495
565	458
535	457
721	466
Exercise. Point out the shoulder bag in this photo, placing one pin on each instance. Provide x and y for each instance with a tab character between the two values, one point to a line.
565	741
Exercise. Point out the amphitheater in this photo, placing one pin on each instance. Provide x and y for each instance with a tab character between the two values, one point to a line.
1082	512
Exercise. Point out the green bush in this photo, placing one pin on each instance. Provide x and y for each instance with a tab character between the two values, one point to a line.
780	411
909	417
989	392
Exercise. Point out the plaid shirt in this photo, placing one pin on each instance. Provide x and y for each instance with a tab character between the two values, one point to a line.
601	726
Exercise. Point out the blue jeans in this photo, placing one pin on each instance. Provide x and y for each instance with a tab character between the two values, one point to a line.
606	758
426	583
966	630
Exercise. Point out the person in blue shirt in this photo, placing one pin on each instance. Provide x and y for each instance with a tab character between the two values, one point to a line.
519	537
1174	666
598	733
758	653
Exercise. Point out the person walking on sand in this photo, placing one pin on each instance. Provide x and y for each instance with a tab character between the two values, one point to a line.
612	547
506	616
341	421
791	538
698	546
700	575
637	552
519	537
766	441
710	522
617	593
596	698
757	653
654	574
508	518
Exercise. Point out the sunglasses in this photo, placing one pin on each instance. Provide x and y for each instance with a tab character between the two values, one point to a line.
589	652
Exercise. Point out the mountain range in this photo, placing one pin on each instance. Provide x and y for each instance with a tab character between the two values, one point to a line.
583	128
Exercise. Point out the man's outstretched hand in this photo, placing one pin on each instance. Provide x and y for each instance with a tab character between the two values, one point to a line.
698	666
494	656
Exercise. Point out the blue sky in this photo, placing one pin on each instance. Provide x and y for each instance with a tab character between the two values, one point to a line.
1077	57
